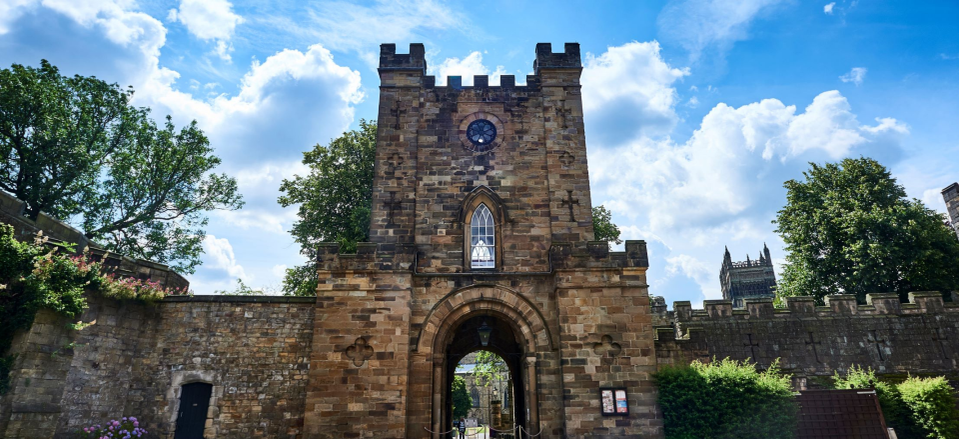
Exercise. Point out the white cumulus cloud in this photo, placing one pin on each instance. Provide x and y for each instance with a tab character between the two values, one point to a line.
467	68
724	185
218	254
828	8
209	20
630	87
855	76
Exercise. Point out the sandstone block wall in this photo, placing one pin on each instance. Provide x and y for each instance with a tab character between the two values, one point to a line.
425	169
255	351
359	358
132	359
892	338
606	340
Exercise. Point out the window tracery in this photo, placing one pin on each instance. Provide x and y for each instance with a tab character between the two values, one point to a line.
482	239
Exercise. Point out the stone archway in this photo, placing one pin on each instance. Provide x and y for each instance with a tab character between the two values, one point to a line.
437	343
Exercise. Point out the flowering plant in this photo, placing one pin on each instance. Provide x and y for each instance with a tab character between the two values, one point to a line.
124	428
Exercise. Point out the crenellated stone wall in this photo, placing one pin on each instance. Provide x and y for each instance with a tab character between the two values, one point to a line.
893	338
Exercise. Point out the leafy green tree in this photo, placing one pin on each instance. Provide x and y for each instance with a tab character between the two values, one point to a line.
462	403
932	402
334	200
849	229
76	149
603	227
489	368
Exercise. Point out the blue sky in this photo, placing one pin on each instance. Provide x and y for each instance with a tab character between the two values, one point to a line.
696	111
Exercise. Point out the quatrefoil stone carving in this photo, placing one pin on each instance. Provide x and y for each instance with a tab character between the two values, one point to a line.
566	158
359	352
607	348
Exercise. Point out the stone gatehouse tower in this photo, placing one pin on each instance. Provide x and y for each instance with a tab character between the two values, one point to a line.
481	219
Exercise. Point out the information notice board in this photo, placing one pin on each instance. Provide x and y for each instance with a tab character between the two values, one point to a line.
613	401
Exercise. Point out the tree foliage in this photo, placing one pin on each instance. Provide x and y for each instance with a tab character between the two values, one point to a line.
462	403
603	227
489	368
726	399
334	200
850	229
76	149
932	402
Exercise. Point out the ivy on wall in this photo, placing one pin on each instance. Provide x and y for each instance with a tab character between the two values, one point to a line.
35	275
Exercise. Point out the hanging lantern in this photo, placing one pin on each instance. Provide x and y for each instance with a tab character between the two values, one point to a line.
484	332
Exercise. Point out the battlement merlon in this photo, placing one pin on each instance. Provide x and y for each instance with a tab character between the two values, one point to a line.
415	60
951	191
837	305
547	60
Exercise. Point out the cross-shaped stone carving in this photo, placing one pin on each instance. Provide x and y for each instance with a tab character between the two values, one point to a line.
606	347
396	111
752	347
359	352
394	162
875	339
812	342
392	205
570	201
566	159
941	338
564	113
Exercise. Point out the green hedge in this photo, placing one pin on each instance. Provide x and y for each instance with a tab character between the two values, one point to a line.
726	399
933	406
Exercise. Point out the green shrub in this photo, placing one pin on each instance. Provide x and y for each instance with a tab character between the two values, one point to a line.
897	414
726	399
933	406
36	275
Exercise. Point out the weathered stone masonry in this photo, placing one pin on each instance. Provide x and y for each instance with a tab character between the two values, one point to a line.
133	358
893	338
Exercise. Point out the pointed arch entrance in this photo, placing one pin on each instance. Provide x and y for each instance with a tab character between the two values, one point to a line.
519	335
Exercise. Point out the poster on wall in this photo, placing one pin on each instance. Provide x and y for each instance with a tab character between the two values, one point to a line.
613	401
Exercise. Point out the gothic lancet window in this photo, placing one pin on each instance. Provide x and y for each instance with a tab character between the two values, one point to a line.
482	239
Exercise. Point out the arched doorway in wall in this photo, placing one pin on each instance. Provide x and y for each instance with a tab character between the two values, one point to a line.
481	333
450	331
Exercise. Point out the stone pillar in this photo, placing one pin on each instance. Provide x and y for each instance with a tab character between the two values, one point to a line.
533	395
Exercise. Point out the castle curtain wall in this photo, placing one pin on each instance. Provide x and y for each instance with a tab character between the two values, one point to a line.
894	339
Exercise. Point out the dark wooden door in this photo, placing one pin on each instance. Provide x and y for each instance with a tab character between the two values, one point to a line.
194	403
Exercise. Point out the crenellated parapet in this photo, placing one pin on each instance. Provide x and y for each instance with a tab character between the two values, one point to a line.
596	254
409	70
921	336
368	257
805	306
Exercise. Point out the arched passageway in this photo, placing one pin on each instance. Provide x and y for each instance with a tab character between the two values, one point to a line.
518	334
502	341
